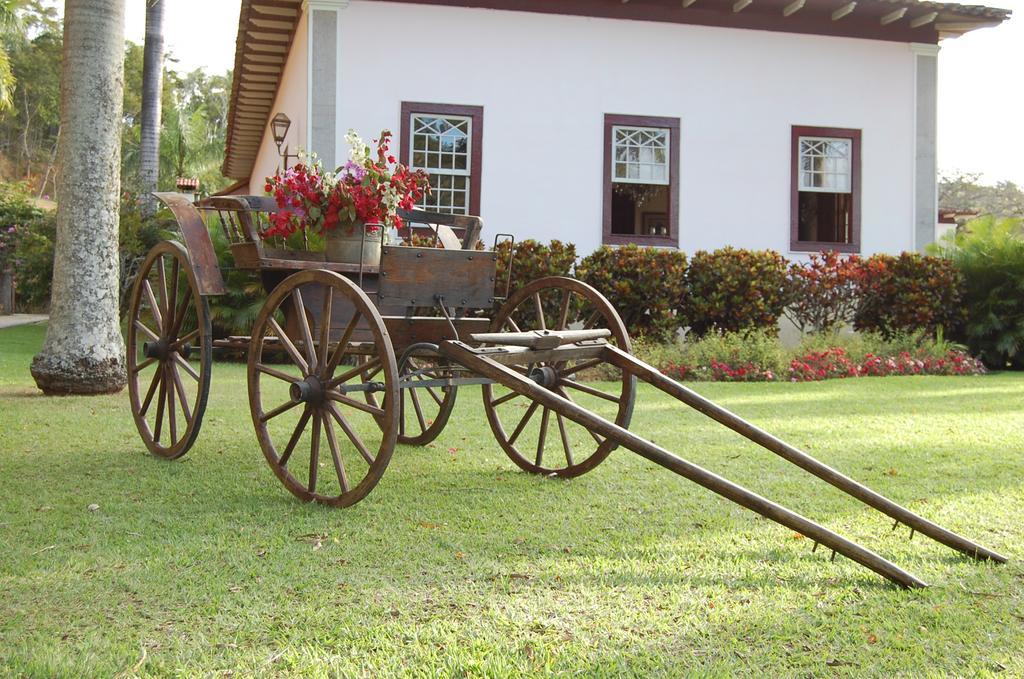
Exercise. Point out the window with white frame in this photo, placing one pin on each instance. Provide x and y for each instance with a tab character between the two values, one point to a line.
641	203
826	209
442	145
641	155
825	164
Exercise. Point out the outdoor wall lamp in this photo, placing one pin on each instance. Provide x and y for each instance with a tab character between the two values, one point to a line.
279	125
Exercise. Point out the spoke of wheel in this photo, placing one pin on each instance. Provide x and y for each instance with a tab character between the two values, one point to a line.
565	439
314	454
146	331
504	399
296	435
172	301
266	369
339	351
419	410
349	374
523	422
162	276
172	411
279	410
179	316
591	319
158	377
433	394
580	367
563	315
367	376
352	403
186	339
180	360
325	327
288	346
401	414
332	442
307	334
515	326
564	394
180	387
587	390
160	407
158	314
544	417
540	311
350	433
142	366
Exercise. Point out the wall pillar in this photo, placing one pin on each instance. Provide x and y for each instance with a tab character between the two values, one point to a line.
322	87
926	77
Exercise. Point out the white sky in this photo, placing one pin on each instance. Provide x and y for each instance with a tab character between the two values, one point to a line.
981	79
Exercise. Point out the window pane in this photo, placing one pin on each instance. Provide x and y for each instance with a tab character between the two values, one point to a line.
640	209
641	154
825	164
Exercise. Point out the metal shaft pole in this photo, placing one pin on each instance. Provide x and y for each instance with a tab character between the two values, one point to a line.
464	355
801	459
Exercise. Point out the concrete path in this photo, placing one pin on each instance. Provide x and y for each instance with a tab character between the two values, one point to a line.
21	319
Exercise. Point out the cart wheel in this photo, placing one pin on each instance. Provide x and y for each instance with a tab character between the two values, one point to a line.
546	442
309	397
424	409
169	352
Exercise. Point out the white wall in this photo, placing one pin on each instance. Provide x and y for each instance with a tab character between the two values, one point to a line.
546	81
292	100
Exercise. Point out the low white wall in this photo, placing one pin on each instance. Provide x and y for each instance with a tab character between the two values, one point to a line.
546	81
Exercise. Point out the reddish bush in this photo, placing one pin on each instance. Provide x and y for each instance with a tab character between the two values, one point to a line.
736	290
907	293
645	285
824	291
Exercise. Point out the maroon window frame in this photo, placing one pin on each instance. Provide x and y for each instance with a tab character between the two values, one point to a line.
672	124
795	244
476	113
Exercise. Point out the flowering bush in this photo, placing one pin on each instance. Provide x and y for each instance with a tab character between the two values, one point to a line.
822	365
369	189
531	260
735	290
824	291
646	285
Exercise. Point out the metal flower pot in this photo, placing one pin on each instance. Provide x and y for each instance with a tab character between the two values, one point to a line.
357	244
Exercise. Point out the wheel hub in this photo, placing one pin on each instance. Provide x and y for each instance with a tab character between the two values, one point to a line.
158	349
545	376
310	390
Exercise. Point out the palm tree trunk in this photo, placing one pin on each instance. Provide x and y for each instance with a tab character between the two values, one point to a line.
84	351
152	87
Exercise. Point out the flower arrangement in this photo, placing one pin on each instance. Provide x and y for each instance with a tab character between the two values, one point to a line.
369	189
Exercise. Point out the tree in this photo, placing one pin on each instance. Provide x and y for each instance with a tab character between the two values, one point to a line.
152	76
84	351
961	191
9	24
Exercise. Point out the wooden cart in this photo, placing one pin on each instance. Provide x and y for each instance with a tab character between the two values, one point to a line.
346	361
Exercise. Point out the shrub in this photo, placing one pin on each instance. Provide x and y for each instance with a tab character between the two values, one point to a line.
908	292
733	290
645	285
532	260
824	291
989	254
33	262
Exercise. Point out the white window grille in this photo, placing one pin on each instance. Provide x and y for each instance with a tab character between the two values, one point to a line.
640	155
825	165
442	145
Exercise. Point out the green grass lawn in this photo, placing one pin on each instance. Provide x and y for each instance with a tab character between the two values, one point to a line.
457	564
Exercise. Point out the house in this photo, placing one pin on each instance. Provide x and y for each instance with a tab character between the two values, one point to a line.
796	125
